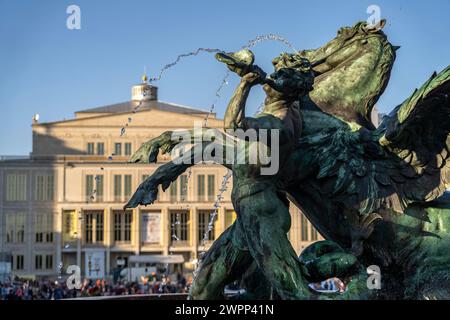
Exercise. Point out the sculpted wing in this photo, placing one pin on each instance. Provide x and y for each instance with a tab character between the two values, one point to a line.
418	131
405	161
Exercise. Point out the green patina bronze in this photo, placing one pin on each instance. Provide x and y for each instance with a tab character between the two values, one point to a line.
376	194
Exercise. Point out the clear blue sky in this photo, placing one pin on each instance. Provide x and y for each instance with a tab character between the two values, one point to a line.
47	69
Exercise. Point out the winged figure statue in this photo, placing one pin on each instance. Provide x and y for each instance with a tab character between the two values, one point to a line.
376	194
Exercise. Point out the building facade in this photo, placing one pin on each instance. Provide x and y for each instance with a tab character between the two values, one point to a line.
64	204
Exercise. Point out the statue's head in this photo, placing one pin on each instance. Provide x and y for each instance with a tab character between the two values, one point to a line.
348	41
350	72
292	78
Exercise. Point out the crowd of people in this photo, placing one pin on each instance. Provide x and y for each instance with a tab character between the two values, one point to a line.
25	289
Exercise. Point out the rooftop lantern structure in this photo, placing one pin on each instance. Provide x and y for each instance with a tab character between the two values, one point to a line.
144	91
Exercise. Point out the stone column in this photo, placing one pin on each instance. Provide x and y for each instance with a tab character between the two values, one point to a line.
165	224
136	229
194	230
80	219
108	239
57	220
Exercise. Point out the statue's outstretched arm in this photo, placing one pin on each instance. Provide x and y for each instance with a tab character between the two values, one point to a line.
148	152
167	173
164	175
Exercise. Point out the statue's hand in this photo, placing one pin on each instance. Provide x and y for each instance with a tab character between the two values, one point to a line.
256	76
148	152
146	193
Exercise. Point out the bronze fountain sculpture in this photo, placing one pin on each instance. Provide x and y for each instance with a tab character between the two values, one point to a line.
376	194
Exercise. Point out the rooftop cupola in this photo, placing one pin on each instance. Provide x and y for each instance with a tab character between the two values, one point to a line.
144	91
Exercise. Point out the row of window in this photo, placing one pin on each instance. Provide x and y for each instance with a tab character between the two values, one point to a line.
94	227
41	262
95	187
16	187
122	184
151	226
99	148
15	228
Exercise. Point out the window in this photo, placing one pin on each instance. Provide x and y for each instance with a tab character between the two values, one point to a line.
16	187
128	148
99	187
89	187
19	262
94	193
44	188
49	262
15	227
44	228
203	226
179	222
117	187
90	148
178	189
127	185
39	259
121	191
211	187
93	227
201	187
117	227
304	228
118	149
122	226
99	228
100	148
89	228
38	262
